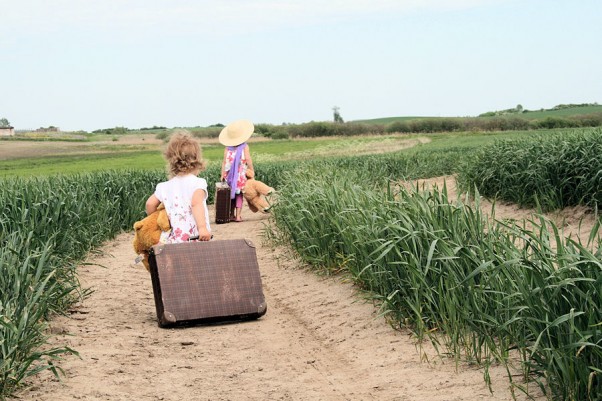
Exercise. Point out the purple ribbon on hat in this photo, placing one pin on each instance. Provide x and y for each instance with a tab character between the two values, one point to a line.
232	178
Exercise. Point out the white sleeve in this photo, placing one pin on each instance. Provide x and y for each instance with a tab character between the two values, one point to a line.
201	184
159	191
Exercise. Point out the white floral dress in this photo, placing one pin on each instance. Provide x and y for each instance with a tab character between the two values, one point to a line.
176	196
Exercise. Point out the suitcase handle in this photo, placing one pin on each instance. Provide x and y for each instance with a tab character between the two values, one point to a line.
196	238
222	185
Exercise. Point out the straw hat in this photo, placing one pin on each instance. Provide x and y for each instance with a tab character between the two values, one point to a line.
236	133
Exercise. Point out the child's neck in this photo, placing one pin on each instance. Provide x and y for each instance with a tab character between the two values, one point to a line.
194	172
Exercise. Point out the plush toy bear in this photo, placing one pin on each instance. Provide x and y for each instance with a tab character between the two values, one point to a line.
254	192
147	232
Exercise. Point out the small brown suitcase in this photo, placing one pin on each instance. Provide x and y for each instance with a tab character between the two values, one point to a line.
206	282
222	202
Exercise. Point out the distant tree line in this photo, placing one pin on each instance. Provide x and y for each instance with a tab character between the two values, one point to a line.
502	120
421	125
154	127
425	126
112	131
125	130
519	109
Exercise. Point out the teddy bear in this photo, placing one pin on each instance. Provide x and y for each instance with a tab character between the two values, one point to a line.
254	192
147	233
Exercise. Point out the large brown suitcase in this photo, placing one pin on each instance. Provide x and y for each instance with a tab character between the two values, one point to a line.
205	282
222	202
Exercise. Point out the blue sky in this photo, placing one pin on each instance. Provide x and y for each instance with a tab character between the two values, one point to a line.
138	63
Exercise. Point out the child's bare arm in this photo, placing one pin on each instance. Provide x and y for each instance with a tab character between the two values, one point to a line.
152	203
198	212
248	158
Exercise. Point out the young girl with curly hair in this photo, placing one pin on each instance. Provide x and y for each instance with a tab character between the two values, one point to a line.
184	195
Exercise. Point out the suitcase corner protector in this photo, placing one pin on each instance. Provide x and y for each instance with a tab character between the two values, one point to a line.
169	318
262	308
157	249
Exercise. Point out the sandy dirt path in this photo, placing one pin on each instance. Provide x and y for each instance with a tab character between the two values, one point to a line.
320	340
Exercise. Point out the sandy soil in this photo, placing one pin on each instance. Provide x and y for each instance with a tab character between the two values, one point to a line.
320	340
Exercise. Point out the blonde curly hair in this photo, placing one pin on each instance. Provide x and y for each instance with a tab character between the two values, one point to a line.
183	154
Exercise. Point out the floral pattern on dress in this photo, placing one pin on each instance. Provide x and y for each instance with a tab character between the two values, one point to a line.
242	168
183	224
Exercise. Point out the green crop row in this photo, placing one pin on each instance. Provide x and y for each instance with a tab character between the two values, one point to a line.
50	223
47	225
554	170
34	283
479	289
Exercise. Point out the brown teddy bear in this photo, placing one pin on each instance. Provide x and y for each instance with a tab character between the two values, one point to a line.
254	192
147	233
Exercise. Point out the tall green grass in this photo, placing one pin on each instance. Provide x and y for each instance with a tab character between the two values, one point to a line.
33	285
48	225
553	171
481	290
421	162
415	250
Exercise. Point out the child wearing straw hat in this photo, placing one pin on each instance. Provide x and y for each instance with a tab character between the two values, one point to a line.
237	160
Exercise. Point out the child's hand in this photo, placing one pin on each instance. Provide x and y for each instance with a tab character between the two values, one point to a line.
224	175
204	235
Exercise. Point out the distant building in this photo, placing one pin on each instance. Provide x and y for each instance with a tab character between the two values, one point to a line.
7	131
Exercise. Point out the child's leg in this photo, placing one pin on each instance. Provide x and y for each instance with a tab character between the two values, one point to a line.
232	209
238	207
